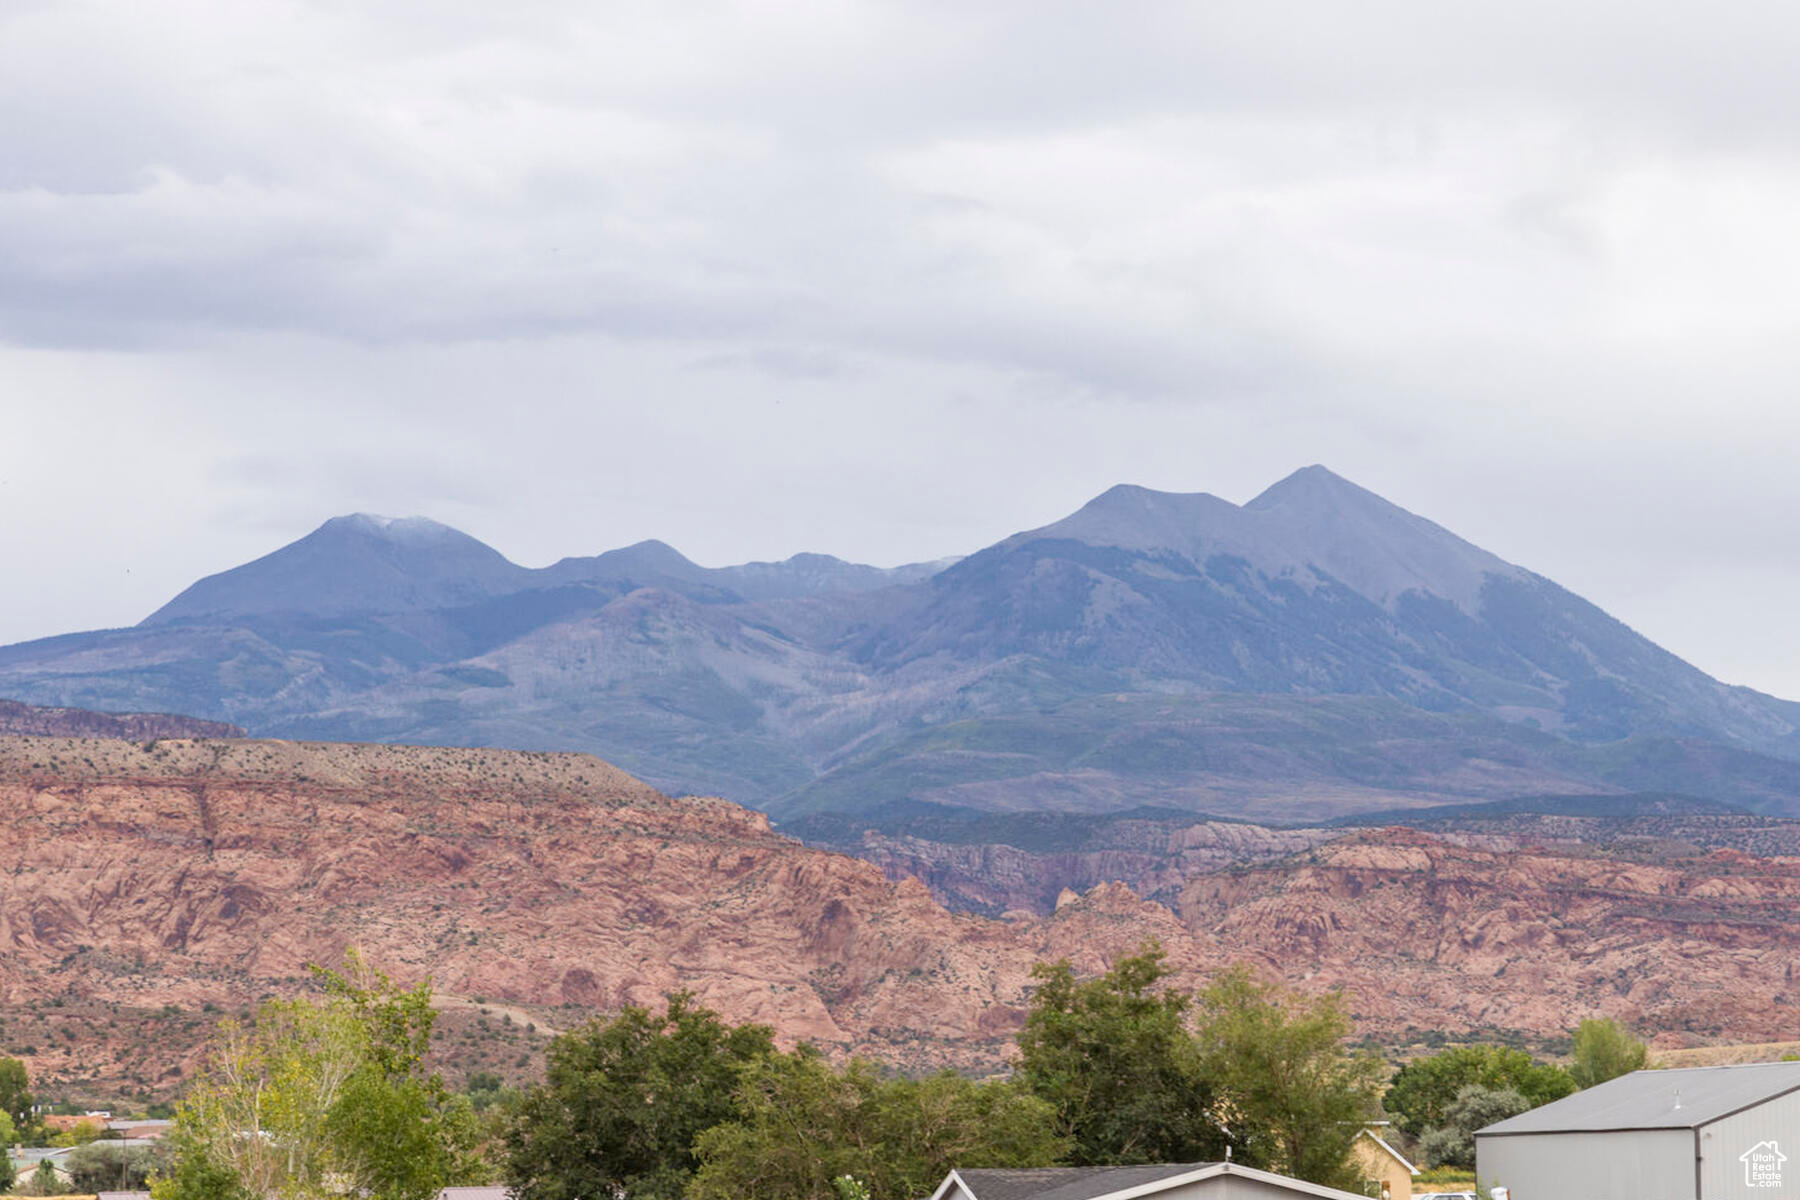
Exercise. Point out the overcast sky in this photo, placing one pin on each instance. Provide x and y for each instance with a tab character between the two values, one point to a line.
892	281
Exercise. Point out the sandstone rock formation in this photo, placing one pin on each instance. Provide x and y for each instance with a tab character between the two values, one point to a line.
186	876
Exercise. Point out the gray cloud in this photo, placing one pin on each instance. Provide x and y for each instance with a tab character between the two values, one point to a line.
948	269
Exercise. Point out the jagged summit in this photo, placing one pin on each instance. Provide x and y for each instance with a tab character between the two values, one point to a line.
413	528
1312	523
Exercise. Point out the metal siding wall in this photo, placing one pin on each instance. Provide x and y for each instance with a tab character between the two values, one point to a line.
1722	1142
1650	1164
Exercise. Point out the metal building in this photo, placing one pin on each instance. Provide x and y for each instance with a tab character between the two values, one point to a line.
1704	1133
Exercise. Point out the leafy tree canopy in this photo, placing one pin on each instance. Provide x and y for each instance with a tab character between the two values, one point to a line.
1113	1058
1292	1096
45	1181
623	1100
1605	1049
1452	1144
15	1093
811	1131
110	1167
1422	1091
8	1135
323	1097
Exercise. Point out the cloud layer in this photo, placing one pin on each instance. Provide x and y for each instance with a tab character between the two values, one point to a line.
891	280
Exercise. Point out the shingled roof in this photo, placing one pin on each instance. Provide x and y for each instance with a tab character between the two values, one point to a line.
1067	1183
1106	1183
1678	1099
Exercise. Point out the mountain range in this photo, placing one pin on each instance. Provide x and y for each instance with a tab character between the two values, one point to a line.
1313	653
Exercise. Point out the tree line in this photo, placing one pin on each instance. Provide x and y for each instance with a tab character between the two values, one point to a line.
330	1096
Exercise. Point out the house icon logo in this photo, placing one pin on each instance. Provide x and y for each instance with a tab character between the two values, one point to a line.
1762	1165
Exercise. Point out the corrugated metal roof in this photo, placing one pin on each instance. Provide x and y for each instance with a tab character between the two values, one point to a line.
1066	1183
1681	1099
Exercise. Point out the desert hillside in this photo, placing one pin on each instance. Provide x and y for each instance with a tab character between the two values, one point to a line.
148	887
195	876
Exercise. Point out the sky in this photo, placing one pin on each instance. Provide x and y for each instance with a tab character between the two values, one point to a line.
892	281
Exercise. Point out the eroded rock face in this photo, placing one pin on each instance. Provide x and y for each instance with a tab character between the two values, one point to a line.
997	878
1425	932
29	720
197	873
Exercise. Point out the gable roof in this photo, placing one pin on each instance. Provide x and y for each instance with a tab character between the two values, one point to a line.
1107	1183
476	1192
1678	1099
1382	1142
1065	1183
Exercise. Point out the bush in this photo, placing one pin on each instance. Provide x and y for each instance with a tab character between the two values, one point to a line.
1453	1143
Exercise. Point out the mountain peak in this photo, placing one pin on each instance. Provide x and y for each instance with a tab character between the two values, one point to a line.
1311	481
1141	518
1313	521
645	563
358	563
1371	544
391	528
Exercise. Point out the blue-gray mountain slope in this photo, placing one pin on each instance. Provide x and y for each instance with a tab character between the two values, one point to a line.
1315	651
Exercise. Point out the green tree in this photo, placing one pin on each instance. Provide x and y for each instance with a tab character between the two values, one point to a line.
9	1134
321	1097
623	1100
812	1131
487	1090
45	1181
1422	1091
1605	1049
1293	1096
15	1094
108	1166
1452	1144
1113	1057
78	1134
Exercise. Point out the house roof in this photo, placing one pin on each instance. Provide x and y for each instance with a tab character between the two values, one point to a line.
1066	1183
483	1192
1679	1099
1395	1154
34	1154
1107	1183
